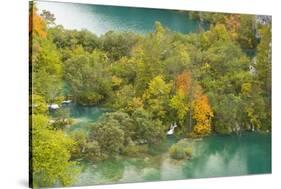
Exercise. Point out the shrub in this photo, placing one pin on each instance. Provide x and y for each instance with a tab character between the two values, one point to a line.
93	151
109	136
178	151
80	139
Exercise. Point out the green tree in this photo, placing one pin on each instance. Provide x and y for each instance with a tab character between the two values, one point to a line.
117	44
51	152
125	122
263	60
156	97
46	70
71	39
80	138
247	32
109	136
38	105
227	71
88	78
147	130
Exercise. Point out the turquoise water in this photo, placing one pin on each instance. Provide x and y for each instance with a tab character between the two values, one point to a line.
214	156
83	116
101	19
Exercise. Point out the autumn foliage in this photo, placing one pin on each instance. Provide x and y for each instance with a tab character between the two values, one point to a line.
202	113
183	82
37	24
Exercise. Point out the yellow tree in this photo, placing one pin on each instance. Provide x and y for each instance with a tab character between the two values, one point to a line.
37	24
183	82
202	113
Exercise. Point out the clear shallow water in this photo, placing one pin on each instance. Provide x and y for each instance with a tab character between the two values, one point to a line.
83	116
212	156
101	19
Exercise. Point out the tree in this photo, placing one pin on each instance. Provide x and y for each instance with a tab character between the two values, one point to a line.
149	54
228	110
181	101
80	138
51	152
37	25
177	58
88	78
126	69
263	60
46	70
118	45
156	97
180	104
247	32
93	151
260	112
48	17
125	122
38	105
147	130
203	114
109	136
47	86
227	71
217	33
121	98
71	39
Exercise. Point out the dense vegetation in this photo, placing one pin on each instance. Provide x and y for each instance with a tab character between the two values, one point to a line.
204	82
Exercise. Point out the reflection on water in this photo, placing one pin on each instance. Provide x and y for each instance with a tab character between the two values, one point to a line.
101	19
212	157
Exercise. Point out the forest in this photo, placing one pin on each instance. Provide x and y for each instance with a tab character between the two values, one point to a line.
212	82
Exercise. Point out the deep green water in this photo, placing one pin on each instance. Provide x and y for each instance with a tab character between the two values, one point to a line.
214	156
101	19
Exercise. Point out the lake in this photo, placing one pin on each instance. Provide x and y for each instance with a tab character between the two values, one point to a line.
101	19
213	156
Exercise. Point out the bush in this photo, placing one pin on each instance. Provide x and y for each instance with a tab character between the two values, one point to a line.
80	139
178	151
109	135
93	151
